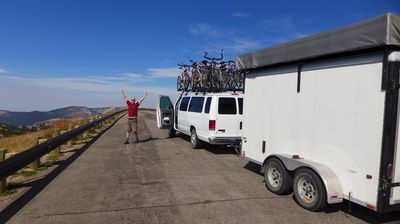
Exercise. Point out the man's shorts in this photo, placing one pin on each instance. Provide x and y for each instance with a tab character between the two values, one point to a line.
132	125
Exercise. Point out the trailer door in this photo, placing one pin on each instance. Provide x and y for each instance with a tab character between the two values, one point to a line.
393	169
165	112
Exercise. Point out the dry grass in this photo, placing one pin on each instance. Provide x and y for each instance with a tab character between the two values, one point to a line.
20	143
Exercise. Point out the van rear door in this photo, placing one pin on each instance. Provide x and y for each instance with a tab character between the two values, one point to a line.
226	123
240	115
165	112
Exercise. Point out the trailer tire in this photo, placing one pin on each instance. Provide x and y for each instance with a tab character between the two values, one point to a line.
309	190
277	178
194	139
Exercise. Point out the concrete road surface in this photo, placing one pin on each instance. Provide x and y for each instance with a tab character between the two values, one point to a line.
161	180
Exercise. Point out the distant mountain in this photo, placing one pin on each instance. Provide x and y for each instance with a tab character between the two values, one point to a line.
30	118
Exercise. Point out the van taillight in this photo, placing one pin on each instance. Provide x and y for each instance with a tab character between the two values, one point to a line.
390	171
211	125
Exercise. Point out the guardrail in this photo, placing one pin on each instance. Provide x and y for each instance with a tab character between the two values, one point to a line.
23	159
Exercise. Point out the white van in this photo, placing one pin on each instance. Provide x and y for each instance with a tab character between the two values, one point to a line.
215	118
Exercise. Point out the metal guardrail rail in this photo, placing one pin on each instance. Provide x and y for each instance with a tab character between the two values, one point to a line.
23	159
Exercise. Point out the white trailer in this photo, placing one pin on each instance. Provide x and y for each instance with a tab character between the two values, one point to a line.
321	115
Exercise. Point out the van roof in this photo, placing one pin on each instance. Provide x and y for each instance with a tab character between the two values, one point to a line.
376	32
213	94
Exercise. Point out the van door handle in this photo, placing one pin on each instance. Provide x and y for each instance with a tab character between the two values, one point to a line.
221	130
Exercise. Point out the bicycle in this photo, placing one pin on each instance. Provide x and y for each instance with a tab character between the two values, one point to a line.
183	80
223	77
212	78
196	77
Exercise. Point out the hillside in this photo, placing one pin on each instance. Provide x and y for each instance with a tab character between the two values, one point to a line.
7	130
30	118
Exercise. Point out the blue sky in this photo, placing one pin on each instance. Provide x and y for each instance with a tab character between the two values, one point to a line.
69	52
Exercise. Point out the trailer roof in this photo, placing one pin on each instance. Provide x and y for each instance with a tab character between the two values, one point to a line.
375	32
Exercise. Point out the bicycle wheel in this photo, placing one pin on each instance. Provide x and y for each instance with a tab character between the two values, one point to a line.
185	86
224	81
203	81
179	83
241	81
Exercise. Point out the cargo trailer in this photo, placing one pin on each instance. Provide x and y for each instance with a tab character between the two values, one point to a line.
321	115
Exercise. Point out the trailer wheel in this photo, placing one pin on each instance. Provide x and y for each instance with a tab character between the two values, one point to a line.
309	190
277	178
194	139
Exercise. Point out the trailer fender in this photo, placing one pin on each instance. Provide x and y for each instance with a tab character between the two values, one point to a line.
332	183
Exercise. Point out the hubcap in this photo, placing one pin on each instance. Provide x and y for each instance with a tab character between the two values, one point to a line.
306	190
193	138
274	176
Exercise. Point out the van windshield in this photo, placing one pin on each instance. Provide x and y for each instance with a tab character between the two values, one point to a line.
226	105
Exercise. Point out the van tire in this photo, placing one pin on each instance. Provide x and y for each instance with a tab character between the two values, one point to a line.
309	191
171	132
277	178
194	139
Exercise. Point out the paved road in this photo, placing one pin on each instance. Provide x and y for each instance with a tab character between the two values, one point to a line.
163	180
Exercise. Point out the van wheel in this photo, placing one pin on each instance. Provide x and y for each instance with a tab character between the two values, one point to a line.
194	139
277	178
309	190
171	132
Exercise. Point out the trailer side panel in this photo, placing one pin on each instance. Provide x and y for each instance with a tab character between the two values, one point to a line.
335	119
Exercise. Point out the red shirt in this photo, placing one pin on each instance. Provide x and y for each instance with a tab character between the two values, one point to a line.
132	109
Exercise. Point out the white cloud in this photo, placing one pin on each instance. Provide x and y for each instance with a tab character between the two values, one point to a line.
203	29
98	84
2	70
241	14
241	45
93	91
284	28
164	72
279	23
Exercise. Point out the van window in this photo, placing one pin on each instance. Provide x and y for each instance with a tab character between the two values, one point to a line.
178	103
196	104
226	105
208	104
165	103
240	101
184	103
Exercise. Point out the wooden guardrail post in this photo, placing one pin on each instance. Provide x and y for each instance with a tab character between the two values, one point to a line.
57	151
85	135
36	163
78	137
3	183
100	124
71	141
42	140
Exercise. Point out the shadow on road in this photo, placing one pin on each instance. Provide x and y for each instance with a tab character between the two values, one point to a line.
363	213
147	139
357	211
215	149
253	167
40	183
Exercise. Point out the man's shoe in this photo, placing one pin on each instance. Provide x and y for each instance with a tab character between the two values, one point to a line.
126	142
